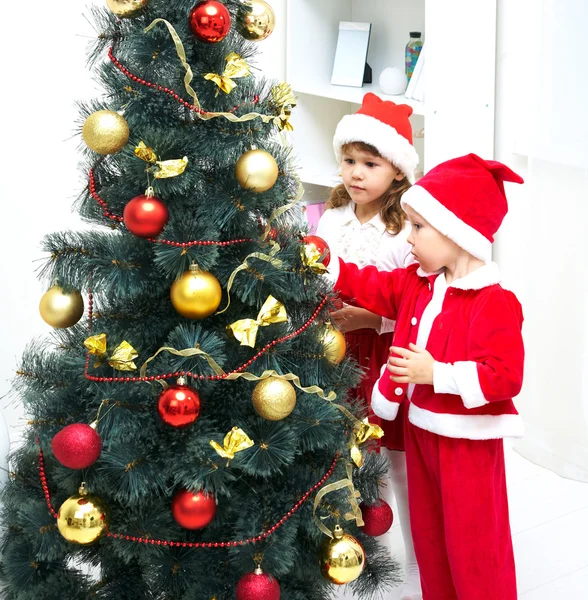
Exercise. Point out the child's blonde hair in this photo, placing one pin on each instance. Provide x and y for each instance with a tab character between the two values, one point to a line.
391	212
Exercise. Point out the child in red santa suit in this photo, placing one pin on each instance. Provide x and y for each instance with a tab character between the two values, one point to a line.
457	358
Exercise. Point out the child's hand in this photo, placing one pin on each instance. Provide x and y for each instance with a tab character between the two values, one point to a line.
350	318
414	365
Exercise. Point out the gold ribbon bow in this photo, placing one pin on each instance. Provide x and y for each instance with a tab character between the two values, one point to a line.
164	168
236	67
121	359
354	496
246	330
311	256
284	99
235	441
362	432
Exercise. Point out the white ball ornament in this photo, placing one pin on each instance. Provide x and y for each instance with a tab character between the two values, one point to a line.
393	81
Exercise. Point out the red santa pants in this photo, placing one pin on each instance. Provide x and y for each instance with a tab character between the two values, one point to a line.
459	517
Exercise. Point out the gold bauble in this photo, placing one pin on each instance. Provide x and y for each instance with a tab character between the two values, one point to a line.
256	20
126	8
105	132
61	309
334	343
83	518
257	170
274	398
342	559
196	294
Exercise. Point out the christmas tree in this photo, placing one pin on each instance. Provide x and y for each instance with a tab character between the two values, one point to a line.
191	433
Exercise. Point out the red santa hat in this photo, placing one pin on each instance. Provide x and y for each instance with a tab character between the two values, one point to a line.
464	199
383	125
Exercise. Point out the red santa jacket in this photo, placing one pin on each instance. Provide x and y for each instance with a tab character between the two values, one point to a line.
478	331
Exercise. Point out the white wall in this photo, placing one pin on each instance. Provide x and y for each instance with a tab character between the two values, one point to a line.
542	131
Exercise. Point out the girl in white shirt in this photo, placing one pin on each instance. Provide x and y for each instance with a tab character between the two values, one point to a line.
365	224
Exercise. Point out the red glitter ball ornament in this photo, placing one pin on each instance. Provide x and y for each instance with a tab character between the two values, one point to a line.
145	216
210	21
377	518
193	510
258	586
179	405
76	446
321	246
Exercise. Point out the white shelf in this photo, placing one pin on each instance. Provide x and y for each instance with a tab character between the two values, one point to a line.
353	94
318	179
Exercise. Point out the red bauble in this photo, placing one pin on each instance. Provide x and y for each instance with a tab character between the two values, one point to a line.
193	510
377	518
179	405
76	446
258	586
210	21
145	216
321	246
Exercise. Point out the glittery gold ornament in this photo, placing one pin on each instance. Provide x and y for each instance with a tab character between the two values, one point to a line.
105	132
274	398
342	559
126	8
196	294
61	309
256	20
334	343
257	170
83	518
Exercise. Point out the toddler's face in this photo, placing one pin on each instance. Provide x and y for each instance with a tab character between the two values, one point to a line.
366	176
430	247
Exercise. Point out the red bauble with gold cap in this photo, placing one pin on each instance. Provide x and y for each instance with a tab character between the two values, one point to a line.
258	586
145	216
179	405
377	517
193	510
210	21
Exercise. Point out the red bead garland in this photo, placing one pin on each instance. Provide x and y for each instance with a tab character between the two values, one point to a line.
244	366
140	540
165	90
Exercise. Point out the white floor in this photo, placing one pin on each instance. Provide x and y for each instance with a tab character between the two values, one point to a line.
549	520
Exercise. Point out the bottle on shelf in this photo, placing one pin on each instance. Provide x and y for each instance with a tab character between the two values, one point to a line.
411	55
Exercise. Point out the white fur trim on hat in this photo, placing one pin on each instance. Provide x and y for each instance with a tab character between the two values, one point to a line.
447	223
387	141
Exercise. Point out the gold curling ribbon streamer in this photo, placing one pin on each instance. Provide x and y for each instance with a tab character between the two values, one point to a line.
354	496
123	356
235	441
236	67
195	351
246	330
166	168
181	55
282	209
275	119
275	262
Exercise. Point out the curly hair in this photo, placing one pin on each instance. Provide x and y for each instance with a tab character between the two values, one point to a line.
391	212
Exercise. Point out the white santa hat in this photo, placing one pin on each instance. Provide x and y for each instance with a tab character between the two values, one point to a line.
383	125
464	199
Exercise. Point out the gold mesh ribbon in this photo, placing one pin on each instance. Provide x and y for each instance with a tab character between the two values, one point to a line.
275	119
121	359
235	441
246	330
217	370
236	67
354	496
164	168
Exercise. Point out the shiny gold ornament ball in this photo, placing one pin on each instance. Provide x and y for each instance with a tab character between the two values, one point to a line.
82	519
274	398
196	294
335	345
257	170
105	132
126	8
61	309
342	559
256	20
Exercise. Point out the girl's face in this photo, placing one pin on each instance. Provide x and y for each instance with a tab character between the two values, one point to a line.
431	248
366	176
